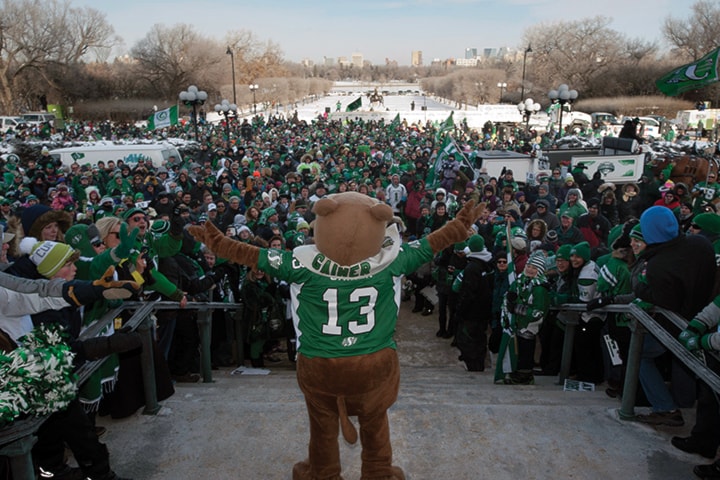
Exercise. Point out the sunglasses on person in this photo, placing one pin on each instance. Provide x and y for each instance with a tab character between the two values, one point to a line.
501	261
137	218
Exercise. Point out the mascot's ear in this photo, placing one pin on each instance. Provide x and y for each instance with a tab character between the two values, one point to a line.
382	212
325	206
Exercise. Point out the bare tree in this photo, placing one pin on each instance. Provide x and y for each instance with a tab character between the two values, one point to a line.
698	34
254	59
573	52
169	59
37	34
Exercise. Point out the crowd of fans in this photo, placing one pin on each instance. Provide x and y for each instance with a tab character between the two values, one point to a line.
565	238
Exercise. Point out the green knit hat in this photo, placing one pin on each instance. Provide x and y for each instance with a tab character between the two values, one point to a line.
476	243
708	222
582	250
636	233
563	252
50	257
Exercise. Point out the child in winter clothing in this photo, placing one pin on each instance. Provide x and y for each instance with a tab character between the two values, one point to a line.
526	305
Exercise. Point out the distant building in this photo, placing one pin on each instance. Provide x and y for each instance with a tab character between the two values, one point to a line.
416	59
489	53
466	62
470	53
344	62
306	62
390	63
328	61
357	60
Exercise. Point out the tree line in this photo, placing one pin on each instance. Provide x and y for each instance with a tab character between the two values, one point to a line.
52	52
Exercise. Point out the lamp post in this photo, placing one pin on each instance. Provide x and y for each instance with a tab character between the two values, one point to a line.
192	97
253	89
232	65
502	86
562	96
522	86
227	110
277	100
526	109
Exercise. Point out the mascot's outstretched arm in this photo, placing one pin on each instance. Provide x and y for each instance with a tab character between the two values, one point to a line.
457	229
225	247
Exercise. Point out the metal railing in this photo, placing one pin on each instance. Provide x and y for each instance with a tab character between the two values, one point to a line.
641	324
18	438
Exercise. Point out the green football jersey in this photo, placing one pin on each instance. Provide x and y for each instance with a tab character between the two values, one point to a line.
344	311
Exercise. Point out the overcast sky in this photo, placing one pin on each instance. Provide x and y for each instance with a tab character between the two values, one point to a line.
383	29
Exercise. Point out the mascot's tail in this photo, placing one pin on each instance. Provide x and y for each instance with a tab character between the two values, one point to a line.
348	429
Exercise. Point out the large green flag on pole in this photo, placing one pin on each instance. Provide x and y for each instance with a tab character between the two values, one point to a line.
354	105
163	118
446	126
432	179
691	76
396	121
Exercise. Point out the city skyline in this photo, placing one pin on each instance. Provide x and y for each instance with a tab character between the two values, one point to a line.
381	30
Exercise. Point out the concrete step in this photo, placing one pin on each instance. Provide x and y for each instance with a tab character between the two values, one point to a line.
447	424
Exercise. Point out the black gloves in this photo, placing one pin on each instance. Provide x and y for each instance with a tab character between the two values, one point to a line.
511	299
177	223
599	302
118	342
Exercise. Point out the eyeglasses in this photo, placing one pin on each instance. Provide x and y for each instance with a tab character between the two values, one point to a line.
541	206
501	261
137	218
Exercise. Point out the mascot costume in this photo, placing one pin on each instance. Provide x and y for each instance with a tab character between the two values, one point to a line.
345	294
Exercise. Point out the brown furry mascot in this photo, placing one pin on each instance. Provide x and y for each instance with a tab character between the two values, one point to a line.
345	293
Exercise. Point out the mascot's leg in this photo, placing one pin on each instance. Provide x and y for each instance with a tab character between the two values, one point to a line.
371	409
369	384
324	450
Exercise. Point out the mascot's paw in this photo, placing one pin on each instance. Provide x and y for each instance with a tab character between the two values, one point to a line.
397	474
302	471
470	213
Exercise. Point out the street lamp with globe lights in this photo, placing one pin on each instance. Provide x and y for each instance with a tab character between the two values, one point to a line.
563	95
526	109
193	97
253	89
502	86
227	110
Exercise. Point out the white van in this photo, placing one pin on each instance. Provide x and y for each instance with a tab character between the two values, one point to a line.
14	123
36	118
157	154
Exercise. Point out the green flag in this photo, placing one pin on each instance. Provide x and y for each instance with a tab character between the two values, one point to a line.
354	105
396	121
446	126
432	179
163	118
691	76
